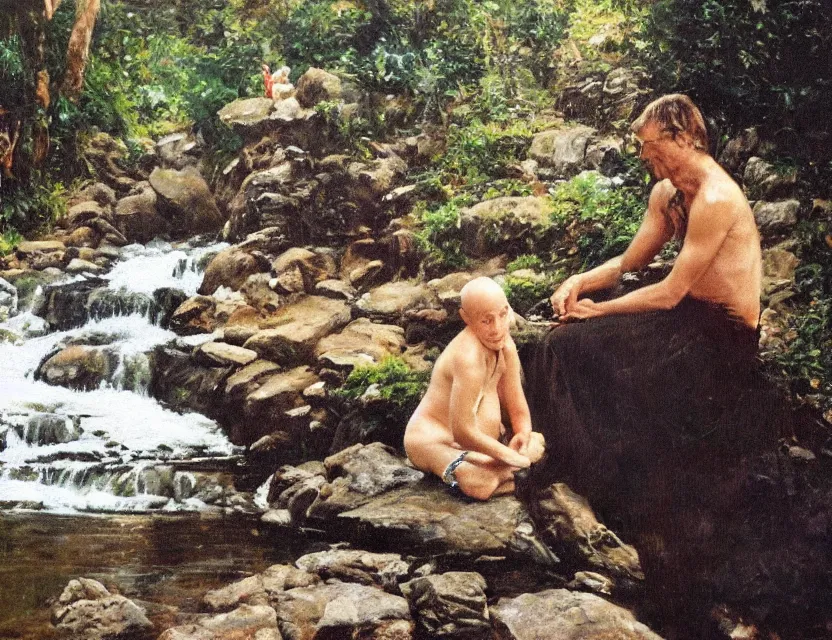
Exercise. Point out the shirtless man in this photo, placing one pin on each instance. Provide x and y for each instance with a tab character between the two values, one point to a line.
456	430
720	260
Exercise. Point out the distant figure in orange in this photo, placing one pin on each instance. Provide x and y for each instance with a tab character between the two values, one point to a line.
277	85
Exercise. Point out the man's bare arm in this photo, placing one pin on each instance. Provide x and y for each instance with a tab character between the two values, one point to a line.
468	382
653	233
708	226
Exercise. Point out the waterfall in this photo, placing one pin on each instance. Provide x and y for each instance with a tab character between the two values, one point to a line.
111	448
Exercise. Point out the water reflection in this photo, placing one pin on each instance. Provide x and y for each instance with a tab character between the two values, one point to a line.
166	560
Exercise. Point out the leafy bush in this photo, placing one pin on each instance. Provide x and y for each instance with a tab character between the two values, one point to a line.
35	205
524	292
603	217
747	62
440	237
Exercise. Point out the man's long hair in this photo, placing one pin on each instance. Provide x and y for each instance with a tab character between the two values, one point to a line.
675	113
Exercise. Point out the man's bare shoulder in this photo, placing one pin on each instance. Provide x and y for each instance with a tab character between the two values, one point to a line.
720	195
661	194
465	350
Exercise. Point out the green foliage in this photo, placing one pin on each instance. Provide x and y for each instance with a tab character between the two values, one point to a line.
748	62
35	205
440	236
604	218
807	360
9	239
397	383
525	261
525	291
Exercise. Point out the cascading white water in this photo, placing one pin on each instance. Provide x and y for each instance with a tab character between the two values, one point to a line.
113	448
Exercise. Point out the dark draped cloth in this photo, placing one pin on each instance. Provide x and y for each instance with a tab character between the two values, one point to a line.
660	419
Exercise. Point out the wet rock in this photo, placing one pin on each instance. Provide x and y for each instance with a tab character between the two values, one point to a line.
558	614
450	605
359	473
264	408
230	268
83	237
426	516
78	367
195	315
221	354
764	181
317	85
361	342
312	267
255	622
563	150
166	300
27	283
260	589
336	289
248	117
184	384
44	428
297	329
137	218
385	570
389	302
259	294
568	525
738	150
775	217
508	224
86	609
185	201
248	376
77	265
8	300
342	610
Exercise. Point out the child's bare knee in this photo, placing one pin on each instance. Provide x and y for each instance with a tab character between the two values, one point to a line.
479	488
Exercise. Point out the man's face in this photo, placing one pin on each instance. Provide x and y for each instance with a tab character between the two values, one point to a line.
652	144
490	323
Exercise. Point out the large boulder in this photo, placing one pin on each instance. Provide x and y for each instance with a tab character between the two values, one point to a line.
450	605
230	268
137	218
317	85
248	117
360	343
507	224
776	217
568	525
558	614
385	570
765	181
185	201
297	328
259	589
562	150
255	622
78	367
389	302
343	610
86	609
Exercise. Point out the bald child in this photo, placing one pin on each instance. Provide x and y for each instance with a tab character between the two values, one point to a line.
456	431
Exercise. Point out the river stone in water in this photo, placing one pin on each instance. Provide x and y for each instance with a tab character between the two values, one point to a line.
341	610
45	428
558	614
222	354
297	329
87	610
450	605
137	218
259	589
78	367
255	622
385	570
362	342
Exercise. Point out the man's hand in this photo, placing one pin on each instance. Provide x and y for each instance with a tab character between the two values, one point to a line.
566	295
583	309
520	443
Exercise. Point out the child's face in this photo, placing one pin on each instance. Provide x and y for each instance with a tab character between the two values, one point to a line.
490	323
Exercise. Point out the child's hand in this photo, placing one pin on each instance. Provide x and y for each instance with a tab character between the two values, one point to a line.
520	443
517	460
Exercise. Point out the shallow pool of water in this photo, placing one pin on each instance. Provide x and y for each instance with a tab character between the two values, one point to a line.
161	559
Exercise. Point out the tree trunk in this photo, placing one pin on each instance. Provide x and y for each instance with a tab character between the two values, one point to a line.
86	12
